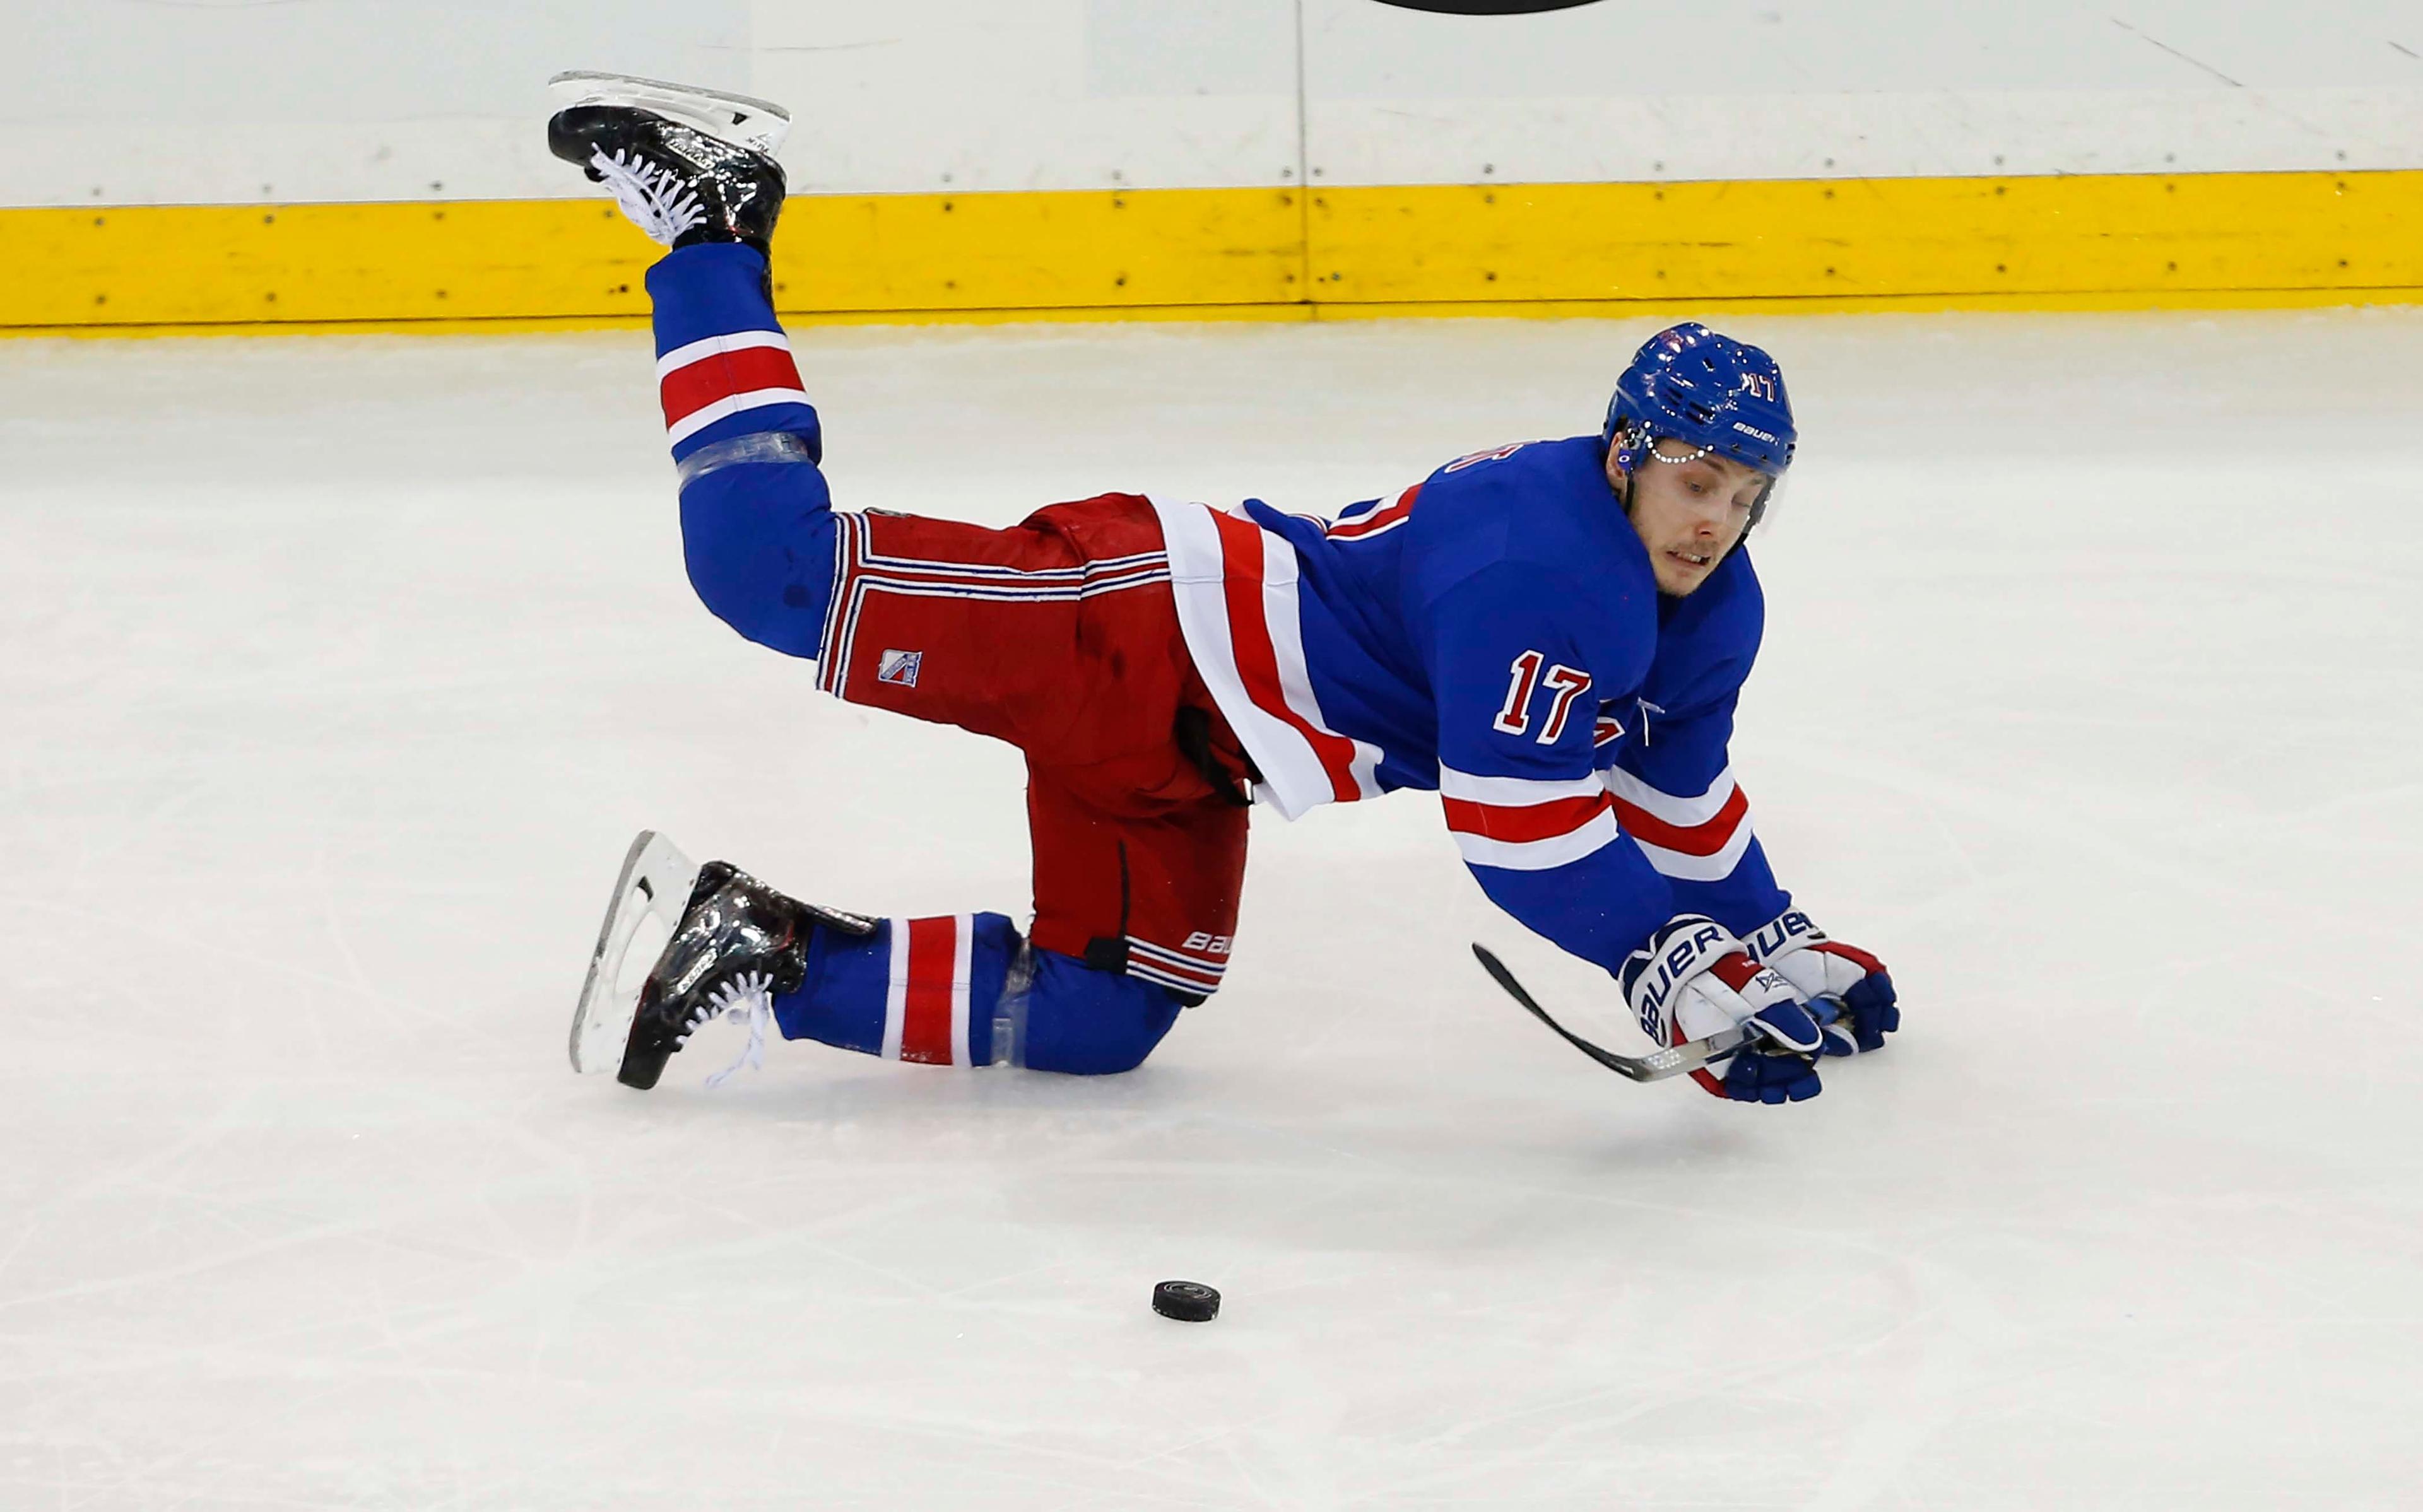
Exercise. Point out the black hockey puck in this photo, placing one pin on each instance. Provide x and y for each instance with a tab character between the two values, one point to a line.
1189	1302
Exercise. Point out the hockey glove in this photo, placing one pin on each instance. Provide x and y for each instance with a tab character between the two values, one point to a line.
1827	974
1694	979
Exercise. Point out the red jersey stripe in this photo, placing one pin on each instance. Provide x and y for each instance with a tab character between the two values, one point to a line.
1257	661
925	1013
1693	840
688	391
1378	519
1538	821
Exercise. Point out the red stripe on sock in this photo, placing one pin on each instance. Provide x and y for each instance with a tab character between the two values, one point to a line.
688	391
925	1015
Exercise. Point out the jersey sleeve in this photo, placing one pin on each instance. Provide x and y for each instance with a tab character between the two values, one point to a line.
1675	797
1516	701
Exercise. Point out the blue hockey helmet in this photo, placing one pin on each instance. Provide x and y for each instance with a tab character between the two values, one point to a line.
1708	391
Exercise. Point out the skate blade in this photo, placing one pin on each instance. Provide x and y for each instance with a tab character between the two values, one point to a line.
649	897
759	125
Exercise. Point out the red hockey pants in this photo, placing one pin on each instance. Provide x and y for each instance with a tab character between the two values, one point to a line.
1060	635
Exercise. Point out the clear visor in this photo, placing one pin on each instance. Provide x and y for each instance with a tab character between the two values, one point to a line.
1762	515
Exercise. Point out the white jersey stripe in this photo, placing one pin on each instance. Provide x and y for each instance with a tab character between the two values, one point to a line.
1686	867
1540	855
1293	778
1513	791
1285	619
1684	814
1196	575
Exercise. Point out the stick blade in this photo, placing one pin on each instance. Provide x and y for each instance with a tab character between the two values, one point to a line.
1498	972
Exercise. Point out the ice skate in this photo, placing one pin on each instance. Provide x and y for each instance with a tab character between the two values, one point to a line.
738	943
649	895
686	164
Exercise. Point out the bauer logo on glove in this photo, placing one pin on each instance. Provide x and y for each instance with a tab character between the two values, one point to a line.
1693	979
1852	989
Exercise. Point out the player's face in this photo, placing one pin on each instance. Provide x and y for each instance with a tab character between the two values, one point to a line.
1687	514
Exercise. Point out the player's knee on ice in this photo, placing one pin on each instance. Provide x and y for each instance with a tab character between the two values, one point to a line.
1091	1023
964	990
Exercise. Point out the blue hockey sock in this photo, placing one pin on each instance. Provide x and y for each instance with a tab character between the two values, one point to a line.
963	989
757	525
916	989
723	366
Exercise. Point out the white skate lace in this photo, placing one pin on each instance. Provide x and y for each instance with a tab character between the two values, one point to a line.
748	996
654	197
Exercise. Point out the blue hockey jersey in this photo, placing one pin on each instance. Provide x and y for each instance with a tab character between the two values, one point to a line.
1495	633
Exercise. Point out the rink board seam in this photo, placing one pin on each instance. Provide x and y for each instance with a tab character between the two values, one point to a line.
2087	241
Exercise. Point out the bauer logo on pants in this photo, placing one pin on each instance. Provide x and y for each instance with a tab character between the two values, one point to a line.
899	667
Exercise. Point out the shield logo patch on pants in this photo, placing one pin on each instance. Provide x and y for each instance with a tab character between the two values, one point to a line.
899	667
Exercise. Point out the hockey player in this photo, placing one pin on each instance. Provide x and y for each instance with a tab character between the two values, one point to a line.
1551	635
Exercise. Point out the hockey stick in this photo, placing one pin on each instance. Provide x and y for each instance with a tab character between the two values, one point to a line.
1656	1067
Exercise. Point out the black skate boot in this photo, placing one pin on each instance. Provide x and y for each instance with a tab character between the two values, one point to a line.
738	943
686	164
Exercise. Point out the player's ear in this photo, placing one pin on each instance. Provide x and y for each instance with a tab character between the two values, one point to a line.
1617	477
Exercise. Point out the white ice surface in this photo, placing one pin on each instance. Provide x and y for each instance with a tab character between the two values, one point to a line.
336	674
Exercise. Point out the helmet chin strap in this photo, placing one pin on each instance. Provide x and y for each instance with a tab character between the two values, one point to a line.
1628	454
